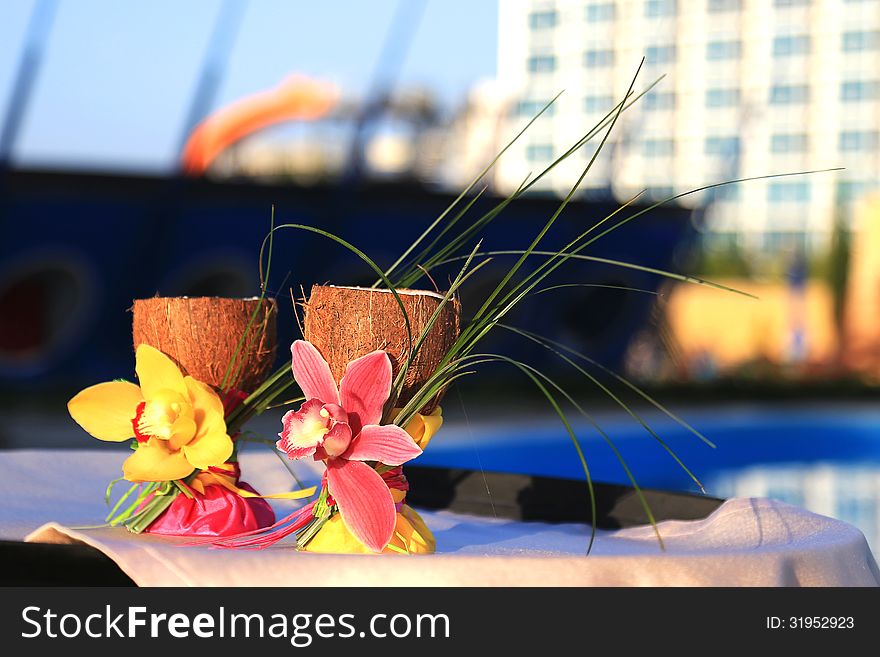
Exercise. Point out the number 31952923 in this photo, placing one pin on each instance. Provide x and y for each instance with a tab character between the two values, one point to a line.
811	623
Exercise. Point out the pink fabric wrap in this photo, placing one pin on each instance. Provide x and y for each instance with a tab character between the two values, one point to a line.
219	512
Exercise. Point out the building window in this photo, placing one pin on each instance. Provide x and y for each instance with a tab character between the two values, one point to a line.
658	147
659	54
788	192
656	8
727	193
856	90
532	107
542	64
539	152
718	50
788	143
724	146
595	104
599	12
787	45
541	20
855	140
659	100
858	41
598	58
789	94
777	241
718	6
849	190
722	97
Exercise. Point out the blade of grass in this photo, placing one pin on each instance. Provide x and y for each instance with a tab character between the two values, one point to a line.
624	288
538	339
463	275
228	376
559	258
467	189
476	325
627	265
533	374
629	384
413	274
363	256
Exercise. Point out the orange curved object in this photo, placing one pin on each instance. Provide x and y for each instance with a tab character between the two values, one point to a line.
295	98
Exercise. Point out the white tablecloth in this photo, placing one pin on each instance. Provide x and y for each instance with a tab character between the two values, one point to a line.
46	494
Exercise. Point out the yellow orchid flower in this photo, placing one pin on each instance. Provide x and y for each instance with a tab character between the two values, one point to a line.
178	421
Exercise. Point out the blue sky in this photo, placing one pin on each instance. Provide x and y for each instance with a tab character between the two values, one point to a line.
118	77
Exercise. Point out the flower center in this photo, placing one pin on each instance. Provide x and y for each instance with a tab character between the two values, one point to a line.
136	422
156	417
313	430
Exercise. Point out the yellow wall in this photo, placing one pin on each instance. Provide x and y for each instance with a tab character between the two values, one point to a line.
734	329
863	290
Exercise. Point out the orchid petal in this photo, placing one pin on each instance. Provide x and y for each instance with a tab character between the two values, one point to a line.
388	444
312	373
337	439
365	388
336	413
157	372
153	461
204	399
182	432
294	452
211	447
106	410
364	502
303	431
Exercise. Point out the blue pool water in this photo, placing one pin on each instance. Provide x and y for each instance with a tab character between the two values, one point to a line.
825	458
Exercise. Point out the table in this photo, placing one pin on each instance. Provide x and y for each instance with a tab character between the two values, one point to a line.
743	542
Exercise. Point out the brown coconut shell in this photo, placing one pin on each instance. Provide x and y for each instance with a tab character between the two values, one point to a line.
202	334
345	323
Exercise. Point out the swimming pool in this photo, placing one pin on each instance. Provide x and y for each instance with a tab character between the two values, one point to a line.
824	458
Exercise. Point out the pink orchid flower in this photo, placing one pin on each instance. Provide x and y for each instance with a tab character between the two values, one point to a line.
341	427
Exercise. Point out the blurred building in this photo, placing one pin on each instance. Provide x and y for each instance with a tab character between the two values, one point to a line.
752	87
782	326
862	335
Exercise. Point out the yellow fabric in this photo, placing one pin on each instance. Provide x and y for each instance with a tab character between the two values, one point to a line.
411	536
423	427
228	482
105	410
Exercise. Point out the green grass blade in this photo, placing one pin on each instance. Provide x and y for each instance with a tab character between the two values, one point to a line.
467	189
623	288
463	275
476	327
417	259
696	190
228	376
617	263
363	256
413	274
538	339
641	393
533	373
